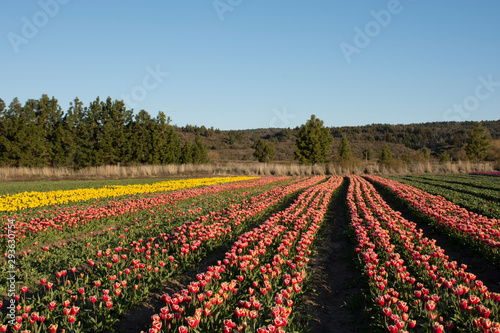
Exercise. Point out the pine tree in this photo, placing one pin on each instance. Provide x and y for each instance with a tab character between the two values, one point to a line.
50	117
92	123
200	155
264	151
166	141
142	139
13	134
77	143
4	142
113	145
313	142
111	122
478	143
344	150
33	135
385	155
187	153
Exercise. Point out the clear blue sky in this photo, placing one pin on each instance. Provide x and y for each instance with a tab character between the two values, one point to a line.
264	64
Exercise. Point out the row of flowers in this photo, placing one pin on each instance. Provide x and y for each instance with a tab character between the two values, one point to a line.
412	281
475	228
257	281
482	198
117	278
76	252
47	258
51	224
26	200
491	173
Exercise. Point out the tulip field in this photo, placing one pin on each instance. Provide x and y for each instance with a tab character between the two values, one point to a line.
84	260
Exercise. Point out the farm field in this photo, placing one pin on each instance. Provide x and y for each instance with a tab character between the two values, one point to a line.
478	193
247	254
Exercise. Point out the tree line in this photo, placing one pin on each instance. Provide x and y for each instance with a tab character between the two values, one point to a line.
313	142
39	133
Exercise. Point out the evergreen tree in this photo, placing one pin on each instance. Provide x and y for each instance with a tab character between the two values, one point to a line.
200	155
264	151
344	150
31	135
478	143
3	139
313	142
187	153
13	133
385	155
51	121
367	154
113	142
77	143
142	139
166	143
110	124
93	124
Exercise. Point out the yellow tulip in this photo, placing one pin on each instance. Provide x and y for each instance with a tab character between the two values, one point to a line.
36	199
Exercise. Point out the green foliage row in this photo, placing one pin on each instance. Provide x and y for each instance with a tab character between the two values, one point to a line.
478	201
39	133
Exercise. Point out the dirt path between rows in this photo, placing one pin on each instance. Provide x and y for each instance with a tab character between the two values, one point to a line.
336	304
476	264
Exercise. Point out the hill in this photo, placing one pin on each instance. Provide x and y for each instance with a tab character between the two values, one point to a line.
411	139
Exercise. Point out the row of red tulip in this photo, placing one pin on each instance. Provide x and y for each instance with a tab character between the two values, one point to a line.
478	228
48	257
442	290
458	288
242	284
290	281
147	261
284	277
28	224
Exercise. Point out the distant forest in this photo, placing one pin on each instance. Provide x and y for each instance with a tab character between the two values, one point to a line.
40	133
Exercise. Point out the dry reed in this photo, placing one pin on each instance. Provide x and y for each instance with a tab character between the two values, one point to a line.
235	168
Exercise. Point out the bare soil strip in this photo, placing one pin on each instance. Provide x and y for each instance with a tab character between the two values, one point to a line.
336	301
